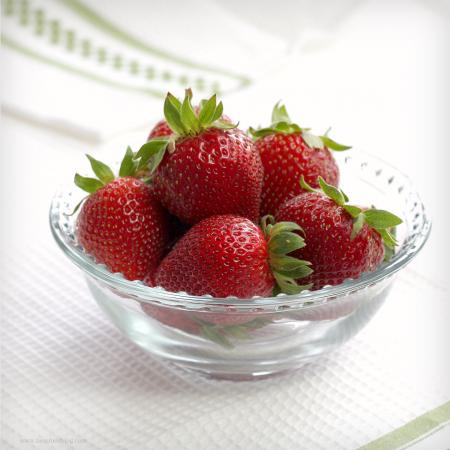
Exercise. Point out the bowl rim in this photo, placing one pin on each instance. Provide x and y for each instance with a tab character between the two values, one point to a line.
306	299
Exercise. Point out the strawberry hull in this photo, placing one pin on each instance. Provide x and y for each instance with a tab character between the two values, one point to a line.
162	128
191	321
222	328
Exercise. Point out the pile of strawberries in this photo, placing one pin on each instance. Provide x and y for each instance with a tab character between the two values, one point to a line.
206	208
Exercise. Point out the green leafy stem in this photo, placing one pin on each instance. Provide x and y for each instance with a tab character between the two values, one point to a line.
380	220
282	239
222	334
281	123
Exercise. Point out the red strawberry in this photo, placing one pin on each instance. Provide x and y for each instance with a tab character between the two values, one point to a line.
172	318
287	152
121	223
161	129
207	167
149	278
230	256
192	321
343	240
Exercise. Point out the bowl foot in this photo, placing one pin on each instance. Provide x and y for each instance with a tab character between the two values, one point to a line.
236	376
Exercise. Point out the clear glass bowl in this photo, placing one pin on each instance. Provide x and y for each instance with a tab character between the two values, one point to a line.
256	337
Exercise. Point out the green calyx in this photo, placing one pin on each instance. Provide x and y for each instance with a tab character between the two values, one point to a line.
281	240
104	174
129	167
185	121
221	334
150	155
384	222
281	123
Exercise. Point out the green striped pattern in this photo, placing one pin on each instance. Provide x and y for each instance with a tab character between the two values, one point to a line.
42	24
75	71
106	26
413	431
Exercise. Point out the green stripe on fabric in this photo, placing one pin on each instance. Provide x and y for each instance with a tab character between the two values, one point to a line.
74	70
412	431
88	14
54	31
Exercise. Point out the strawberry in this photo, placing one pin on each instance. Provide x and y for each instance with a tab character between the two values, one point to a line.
161	129
287	152
343	240
230	256
172	318
216	327
206	167
121	223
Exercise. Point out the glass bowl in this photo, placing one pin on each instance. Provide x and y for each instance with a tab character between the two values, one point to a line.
256	337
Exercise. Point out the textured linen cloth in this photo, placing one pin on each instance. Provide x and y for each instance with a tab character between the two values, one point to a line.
71	380
71	377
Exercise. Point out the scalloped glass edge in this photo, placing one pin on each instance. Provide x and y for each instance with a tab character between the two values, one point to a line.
415	239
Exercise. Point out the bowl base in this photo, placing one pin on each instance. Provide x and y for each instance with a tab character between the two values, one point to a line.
238	377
